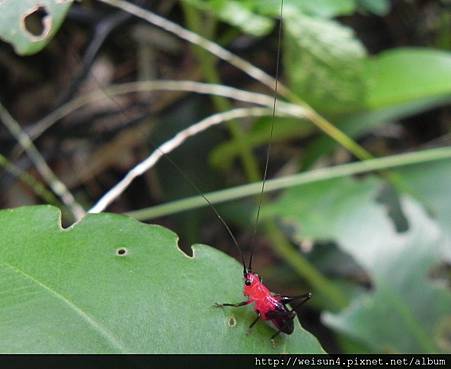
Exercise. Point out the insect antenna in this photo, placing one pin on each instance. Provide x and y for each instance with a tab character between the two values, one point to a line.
212	207
124	113
268	148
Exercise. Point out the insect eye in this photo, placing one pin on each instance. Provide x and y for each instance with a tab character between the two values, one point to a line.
247	282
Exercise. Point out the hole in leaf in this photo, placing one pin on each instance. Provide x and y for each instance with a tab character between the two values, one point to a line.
122	251
231	322
37	22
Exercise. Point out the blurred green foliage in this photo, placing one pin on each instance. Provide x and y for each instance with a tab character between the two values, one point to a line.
405	309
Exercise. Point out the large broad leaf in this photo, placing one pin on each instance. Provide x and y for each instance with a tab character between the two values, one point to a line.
111	284
317	8
324	63
432	185
400	83
407	75
30	24
405	311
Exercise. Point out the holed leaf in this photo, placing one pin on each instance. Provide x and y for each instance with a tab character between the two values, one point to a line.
110	284
30	24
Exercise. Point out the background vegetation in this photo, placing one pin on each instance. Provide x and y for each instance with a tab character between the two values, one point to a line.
369	237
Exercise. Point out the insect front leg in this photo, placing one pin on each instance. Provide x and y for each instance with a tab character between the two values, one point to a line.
253	323
232	305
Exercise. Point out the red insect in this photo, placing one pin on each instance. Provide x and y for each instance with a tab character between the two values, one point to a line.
269	306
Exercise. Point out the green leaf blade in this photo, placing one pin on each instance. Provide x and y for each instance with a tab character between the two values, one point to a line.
407	75
70	291
325	64
237	13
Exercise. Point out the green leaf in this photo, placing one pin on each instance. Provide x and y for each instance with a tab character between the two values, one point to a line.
327	210
432	183
358	124
406	311
323	8
222	155
318	8
251	16
30	24
378	7
400	82
324	63
406	75
236	13
398	314
69	290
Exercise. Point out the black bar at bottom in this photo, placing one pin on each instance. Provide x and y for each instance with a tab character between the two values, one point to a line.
261	361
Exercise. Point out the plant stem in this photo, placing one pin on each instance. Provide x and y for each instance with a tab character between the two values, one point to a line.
30	181
41	165
312	176
281	245
207	63
304	268
248	68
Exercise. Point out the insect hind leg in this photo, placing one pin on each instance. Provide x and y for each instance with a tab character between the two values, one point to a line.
289	315
300	298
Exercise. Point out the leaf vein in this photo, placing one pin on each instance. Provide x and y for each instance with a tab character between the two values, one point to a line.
98	327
